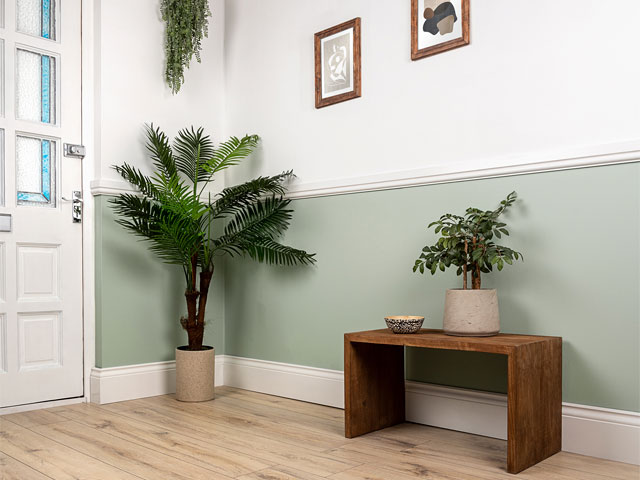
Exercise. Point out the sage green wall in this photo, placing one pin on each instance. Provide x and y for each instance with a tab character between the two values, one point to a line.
578	229
139	300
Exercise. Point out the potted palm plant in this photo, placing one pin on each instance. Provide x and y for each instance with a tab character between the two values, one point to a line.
186	226
467	242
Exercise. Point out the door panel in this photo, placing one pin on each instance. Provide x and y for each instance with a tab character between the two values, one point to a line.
41	344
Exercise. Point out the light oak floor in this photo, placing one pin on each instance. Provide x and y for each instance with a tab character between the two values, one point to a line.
247	435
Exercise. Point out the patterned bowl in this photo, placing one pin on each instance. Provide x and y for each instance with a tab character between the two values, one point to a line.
404	323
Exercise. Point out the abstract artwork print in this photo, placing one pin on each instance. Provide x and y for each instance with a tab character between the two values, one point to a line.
337	63
438	25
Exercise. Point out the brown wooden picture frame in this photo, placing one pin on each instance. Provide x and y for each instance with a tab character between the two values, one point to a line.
417	54
357	81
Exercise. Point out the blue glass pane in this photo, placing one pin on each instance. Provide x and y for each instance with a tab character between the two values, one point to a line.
46	174
35	166
35	86
46	18
37	18
46	83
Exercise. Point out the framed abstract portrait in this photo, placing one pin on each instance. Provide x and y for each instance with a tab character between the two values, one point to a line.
438	26
337	63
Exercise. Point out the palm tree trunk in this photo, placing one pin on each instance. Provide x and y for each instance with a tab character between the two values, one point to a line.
190	324
196	308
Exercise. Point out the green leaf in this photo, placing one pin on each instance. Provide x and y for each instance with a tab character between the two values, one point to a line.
231	153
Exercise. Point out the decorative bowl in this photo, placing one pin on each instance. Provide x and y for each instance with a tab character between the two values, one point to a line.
404	323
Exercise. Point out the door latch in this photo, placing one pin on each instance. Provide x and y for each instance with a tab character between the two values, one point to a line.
76	205
71	150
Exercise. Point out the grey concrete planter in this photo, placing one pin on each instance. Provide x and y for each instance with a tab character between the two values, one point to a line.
471	313
195	372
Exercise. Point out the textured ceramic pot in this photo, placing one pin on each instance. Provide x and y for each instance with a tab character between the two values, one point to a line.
471	313
195	372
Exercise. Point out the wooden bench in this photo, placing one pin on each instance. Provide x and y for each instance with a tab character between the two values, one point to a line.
375	392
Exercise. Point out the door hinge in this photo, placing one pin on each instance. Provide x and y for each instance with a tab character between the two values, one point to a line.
72	150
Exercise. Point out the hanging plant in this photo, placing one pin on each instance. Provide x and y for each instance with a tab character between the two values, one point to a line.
187	24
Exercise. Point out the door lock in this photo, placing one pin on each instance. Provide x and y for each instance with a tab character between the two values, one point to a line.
76	205
71	150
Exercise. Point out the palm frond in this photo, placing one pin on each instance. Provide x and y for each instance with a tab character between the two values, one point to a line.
271	252
193	150
231	199
180	227
174	238
160	151
136	178
268	217
176	241
231	152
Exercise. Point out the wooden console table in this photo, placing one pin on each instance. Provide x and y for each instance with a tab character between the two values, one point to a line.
375	398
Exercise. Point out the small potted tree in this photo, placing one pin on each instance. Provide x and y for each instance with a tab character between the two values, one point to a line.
185	226
467	242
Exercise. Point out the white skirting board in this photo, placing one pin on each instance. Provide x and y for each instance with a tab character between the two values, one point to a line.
594	431
117	384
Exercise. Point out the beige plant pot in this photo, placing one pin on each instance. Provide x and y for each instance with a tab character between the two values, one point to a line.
195	372
471	313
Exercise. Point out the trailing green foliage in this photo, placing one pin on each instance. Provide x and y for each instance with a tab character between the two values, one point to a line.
467	242
177	219
187	24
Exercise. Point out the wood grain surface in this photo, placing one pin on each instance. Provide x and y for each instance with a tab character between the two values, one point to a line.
374	385
250	436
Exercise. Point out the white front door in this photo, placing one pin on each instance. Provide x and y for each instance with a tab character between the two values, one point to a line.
41	330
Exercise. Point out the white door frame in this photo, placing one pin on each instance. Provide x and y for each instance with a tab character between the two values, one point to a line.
90	165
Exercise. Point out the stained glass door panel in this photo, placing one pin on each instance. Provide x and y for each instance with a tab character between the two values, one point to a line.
41	328
37	18
35	168
35	86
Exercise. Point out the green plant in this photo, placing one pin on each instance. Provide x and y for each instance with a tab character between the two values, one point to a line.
180	221
187	24
467	243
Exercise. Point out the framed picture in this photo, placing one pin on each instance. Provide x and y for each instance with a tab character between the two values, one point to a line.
438	26
337	59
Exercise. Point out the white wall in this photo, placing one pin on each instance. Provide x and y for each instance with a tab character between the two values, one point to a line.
130	82
541	77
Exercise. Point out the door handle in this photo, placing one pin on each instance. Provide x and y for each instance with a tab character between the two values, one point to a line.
76	205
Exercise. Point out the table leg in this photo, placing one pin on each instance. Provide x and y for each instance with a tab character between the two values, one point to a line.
534	416
373	387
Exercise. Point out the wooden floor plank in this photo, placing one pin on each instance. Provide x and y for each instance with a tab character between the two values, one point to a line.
195	450
270	449
417	465
11	469
53	459
127	456
251	436
257	425
581	463
281	472
312	409
376	472
282	415
34	418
